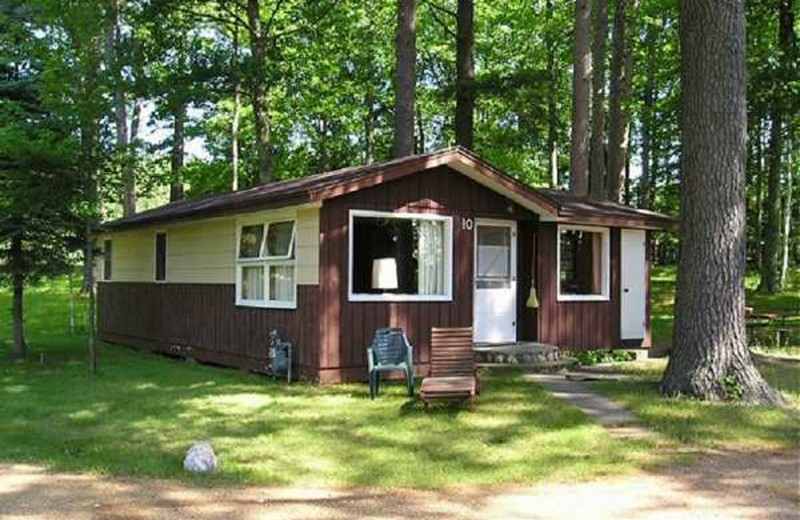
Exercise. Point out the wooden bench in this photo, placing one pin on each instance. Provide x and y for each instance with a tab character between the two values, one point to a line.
452	376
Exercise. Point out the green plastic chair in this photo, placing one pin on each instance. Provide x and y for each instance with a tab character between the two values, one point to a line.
390	351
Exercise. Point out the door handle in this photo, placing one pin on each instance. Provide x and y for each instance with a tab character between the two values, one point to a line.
627	290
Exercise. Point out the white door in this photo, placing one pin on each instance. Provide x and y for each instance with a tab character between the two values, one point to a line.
495	299
634	284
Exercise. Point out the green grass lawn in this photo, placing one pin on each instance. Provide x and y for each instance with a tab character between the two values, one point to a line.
786	304
142	411
140	414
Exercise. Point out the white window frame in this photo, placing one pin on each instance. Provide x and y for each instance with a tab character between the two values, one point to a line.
155	255
605	259
392	297
267	262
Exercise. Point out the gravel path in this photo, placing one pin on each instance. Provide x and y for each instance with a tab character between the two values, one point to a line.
722	485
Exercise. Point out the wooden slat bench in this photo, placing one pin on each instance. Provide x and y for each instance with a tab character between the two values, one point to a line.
452	376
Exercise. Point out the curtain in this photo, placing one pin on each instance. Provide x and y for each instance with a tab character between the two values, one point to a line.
253	282
431	261
281	283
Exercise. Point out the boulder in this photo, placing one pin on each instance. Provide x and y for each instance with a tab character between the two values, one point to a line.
200	458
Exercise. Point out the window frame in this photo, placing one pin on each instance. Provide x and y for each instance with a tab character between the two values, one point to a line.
155	255
266	262
393	297
605	258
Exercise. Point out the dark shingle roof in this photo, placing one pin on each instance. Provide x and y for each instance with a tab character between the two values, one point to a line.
316	188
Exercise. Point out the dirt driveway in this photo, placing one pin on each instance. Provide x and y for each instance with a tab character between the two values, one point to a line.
724	485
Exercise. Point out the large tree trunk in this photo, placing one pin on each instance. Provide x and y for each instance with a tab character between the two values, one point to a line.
621	74
258	91
552	98
710	359
465	73
405	79
178	145
597	164
581	88
237	107
16	262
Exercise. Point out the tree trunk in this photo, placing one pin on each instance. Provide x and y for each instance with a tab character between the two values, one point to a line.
258	91
114	64
772	233
369	127
16	261
710	359
465	73
581	87
648	99
420	146
237	107
178	143
758	164
787	218
597	164
405	49
552	98
621	74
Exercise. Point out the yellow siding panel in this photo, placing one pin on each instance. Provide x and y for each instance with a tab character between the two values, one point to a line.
204	251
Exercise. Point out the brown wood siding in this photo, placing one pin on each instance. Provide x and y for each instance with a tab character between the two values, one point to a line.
347	327
576	325
201	321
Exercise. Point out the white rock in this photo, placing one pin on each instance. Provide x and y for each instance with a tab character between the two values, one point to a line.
200	458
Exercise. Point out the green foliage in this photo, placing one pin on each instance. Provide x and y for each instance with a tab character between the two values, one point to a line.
597	356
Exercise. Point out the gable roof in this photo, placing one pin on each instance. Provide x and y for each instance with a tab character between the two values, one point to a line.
316	188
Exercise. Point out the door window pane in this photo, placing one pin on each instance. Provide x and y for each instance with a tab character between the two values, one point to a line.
494	257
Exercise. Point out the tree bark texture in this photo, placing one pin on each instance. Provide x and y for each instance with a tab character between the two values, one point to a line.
648	100
710	359
621	73
178	145
237	107
597	163
258	91
405	79
16	261
581	89
465	73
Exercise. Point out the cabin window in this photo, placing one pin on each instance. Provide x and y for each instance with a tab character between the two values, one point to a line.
400	257
583	263
266	265
161	257
107	260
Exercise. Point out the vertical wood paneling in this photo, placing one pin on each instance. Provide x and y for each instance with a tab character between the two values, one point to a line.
576	325
348	326
202	321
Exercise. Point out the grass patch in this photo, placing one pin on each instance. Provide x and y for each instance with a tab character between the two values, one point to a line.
700	424
140	414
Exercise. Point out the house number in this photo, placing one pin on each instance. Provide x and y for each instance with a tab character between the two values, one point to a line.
467	224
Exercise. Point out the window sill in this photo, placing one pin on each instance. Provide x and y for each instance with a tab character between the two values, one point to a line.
388	298
267	305
583	298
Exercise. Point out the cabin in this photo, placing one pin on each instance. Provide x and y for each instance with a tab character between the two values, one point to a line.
436	240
